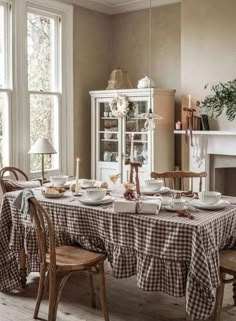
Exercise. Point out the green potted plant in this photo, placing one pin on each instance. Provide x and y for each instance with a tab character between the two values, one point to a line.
222	99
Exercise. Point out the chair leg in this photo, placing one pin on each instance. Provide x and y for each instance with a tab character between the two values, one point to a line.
92	292
52	294
234	291
219	298
58	295
103	291
41	288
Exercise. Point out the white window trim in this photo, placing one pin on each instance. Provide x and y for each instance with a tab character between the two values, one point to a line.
21	133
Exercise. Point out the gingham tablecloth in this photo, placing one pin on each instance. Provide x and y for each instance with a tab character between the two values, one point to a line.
172	254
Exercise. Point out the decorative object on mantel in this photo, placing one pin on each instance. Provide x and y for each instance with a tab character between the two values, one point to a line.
145	82
178	125
192	122
205	122
119	79
222	99
119	106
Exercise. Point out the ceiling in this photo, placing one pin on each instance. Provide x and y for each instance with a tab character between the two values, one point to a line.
119	6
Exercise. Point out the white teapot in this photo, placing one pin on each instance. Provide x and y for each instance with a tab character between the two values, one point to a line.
145	83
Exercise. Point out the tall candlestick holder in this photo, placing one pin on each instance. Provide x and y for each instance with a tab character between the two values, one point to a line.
134	167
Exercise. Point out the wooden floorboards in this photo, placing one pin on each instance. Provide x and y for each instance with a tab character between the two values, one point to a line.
125	301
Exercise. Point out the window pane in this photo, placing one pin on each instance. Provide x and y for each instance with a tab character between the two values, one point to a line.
41	52
44	123
4	130
2	48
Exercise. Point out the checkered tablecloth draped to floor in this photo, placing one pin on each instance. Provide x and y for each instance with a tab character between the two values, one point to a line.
167	253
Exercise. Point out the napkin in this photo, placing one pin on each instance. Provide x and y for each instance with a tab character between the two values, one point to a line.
124	206
149	206
152	206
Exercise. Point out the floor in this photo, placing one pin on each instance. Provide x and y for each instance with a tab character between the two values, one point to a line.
126	303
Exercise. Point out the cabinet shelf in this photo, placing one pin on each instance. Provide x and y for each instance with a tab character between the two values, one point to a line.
109	118
109	140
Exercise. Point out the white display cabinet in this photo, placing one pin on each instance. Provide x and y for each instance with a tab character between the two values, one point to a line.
111	136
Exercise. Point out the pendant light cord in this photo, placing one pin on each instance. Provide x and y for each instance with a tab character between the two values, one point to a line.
150	54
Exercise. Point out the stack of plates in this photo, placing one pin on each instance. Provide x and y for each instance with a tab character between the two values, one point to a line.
106	200
146	191
218	206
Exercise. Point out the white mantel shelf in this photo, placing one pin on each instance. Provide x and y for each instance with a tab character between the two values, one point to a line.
207	132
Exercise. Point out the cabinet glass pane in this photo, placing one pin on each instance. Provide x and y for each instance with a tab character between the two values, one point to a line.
108	147
107	121
108	134
134	124
140	147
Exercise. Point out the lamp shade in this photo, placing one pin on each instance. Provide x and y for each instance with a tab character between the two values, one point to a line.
42	146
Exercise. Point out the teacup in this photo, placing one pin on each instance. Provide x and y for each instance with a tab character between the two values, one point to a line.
96	194
178	204
209	197
58	180
153	184
87	183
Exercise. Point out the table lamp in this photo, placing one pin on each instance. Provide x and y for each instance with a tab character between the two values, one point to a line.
42	146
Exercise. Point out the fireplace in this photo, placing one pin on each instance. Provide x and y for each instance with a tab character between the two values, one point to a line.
215	153
223	174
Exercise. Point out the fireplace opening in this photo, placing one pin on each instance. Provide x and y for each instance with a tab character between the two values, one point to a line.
225	181
223	174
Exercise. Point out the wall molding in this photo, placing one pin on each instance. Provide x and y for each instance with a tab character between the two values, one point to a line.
112	9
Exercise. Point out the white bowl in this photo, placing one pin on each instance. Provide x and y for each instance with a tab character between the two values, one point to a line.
58	180
209	197
86	183
96	194
178	204
153	184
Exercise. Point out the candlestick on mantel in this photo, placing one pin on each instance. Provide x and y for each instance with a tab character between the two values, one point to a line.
77	175
132	148
189	101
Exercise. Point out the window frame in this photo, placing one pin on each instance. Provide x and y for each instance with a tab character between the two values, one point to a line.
7	87
56	89
21	117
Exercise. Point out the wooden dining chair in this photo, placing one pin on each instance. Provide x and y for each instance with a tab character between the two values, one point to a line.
14	172
65	259
13	178
170	178
227	266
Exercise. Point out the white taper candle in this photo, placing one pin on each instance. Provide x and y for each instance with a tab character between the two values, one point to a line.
189	101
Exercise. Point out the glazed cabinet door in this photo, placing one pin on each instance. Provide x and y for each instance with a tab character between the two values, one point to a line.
108	142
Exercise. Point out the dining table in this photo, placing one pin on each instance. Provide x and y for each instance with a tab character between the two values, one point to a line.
176	255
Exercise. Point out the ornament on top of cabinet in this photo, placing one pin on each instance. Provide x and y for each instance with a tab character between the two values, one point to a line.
145	83
119	106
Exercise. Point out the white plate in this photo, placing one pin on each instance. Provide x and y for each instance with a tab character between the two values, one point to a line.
171	209
48	195
218	206
107	199
163	190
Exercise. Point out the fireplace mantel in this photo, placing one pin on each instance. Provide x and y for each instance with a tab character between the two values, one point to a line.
205	144
207	132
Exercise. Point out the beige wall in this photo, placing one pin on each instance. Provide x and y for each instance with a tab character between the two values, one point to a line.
208	49
92	56
131	42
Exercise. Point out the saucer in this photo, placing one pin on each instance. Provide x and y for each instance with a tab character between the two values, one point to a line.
48	195
163	190
107	199
218	206
171	209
